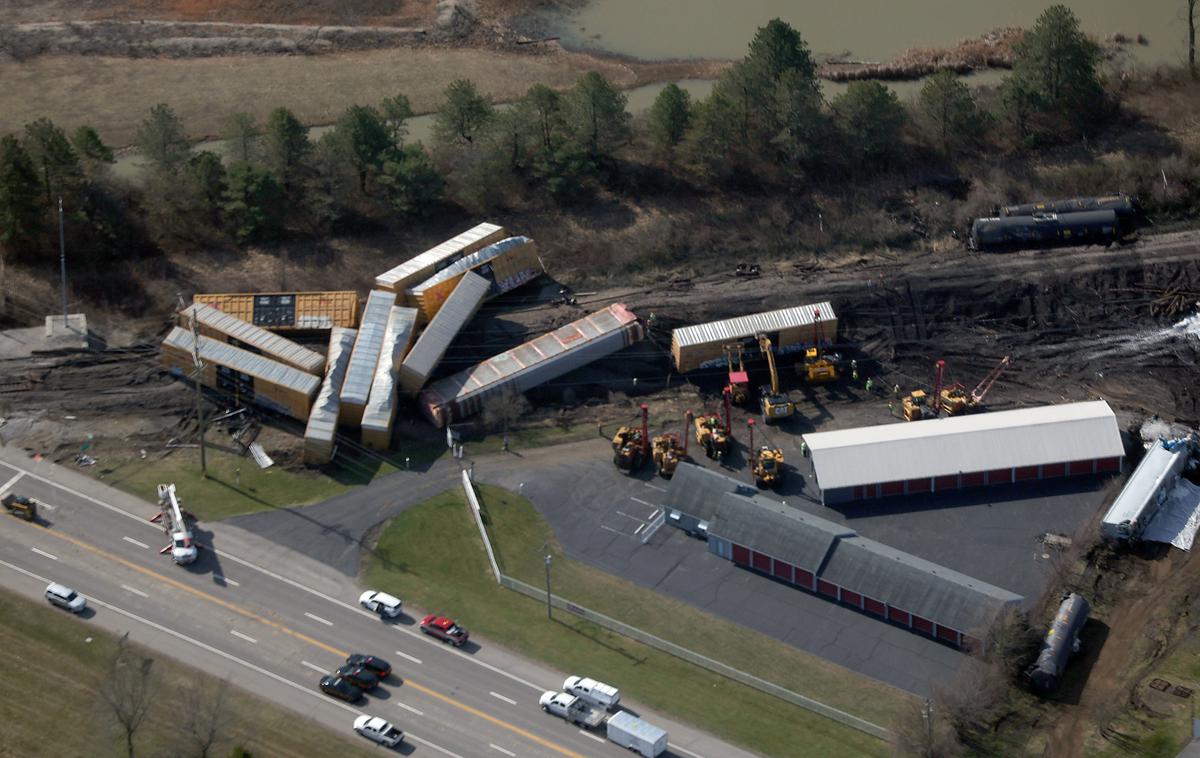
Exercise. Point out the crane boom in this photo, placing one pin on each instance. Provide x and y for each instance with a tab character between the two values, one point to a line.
984	386
764	344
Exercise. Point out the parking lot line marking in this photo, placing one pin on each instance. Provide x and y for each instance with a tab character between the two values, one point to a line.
41	504
643	502
499	749
654	487
683	750
4	487
226	579
498	696
410	709
588	734
246	637
314	667
626	515
134	590
318	619
44	554
132	541
609	528
639	529
409	657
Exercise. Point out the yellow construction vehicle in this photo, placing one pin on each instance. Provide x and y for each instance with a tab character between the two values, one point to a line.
667	453
711	436
630	443
739	380
766	463
954	399
818	367
775	405
916	406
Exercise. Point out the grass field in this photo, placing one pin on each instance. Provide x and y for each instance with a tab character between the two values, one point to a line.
50	663
432	554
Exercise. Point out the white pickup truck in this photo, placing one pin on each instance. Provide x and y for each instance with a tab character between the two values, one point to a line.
571	708
599	694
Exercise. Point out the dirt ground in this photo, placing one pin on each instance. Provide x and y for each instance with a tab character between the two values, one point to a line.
350	12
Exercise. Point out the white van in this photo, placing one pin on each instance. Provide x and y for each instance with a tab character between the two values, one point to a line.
598	694
65	597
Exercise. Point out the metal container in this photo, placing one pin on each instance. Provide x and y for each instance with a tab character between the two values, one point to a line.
1125	206
242	376
1009	233
506	265
642	737
288	311
526	366
322	420
428	263
459	309
790	330
380	411
1062	641
223	327
368	345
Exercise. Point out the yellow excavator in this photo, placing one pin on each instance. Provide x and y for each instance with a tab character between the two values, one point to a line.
955	399
819	366
916	406
739	380
630	444
713	435
775	405
766	463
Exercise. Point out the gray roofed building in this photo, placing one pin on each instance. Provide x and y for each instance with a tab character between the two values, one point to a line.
770	527
695	493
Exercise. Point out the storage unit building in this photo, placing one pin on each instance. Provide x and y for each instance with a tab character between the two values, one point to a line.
380	412
526	366
243	376
790	329
458	309
368	345
1144	494
966	451
428	263
223	327
322	420
506	265
288	311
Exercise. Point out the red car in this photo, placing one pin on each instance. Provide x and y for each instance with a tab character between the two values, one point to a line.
444	629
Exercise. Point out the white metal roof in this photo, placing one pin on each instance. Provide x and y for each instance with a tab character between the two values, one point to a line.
260	339
459	308
322	420
469	262
243	361
435	255
381	405
1159	465
367	346
980	442
748	326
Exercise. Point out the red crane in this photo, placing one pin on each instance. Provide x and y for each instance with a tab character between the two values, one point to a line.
937	387
982	388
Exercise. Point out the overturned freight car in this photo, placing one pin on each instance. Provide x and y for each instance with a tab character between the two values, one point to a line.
531	364
505	265
321	430
1126	207
789	329
421	267
1044	230
223	327
1061	642
288	311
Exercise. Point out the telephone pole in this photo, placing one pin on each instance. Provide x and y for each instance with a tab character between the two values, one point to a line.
199	398
549	607
62	260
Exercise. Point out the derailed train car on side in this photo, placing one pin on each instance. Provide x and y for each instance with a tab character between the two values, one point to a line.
1061	642
1126	207
1008	233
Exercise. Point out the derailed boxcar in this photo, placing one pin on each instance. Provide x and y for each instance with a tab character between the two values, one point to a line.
1008	233
1061	642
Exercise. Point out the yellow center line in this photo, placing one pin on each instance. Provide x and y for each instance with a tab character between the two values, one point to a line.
234	607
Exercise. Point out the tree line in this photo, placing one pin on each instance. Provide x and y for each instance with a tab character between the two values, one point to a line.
766	125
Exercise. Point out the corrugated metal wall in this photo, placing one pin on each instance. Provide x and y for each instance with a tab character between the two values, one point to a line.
322	421
380	411
506	265
229	329
459	309
288	311
367	347
790	329
426	264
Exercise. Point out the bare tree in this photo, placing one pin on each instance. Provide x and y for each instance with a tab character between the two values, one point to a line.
128	688
503	410
1191	22
209	714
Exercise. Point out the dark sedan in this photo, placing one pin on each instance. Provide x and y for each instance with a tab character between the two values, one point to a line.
382	668
360	677
336	686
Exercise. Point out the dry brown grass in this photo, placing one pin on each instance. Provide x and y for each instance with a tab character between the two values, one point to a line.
350	12
114	94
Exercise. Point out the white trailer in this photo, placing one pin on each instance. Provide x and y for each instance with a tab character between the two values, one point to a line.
571	708
596	693
631	732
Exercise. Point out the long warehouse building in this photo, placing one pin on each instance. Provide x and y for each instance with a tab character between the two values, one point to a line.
288	311
380	412
221	326
321	430
505	265
790	330
937	455
421	267
368	345
459	309
526	366
241	375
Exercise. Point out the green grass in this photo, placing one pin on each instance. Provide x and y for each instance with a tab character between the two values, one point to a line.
47	655
433	555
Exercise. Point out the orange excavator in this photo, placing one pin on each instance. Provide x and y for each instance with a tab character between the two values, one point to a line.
671	448
713	435
630	444
956	400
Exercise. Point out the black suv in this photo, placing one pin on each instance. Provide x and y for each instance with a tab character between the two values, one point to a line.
335	686
360	677
379	666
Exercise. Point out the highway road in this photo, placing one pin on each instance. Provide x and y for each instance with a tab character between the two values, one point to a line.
272	620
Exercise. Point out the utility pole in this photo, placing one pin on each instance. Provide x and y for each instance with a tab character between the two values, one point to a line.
199	398
62	260
548	557
927	716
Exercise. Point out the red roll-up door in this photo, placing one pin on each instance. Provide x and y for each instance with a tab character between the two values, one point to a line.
922	625
1000	476
942	483
1076	468
918	485
893	488
851	598
741	555
897	615
1051	470
874	606
973	479
804	579
947	634
762	562
1108	464
1026	473
827	588
783	571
